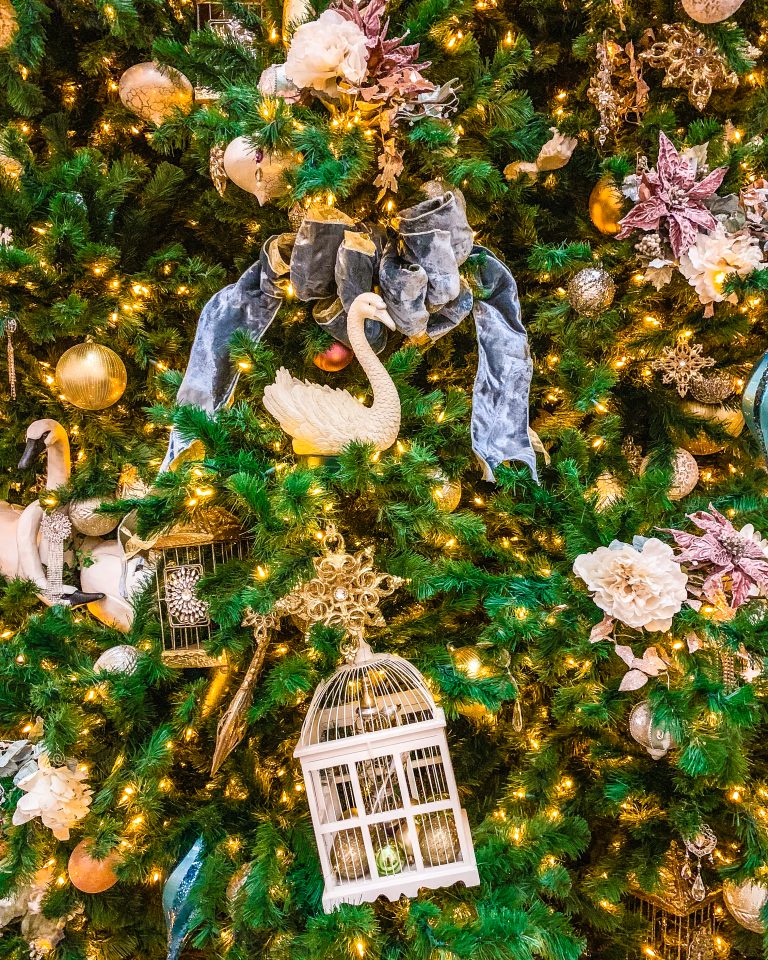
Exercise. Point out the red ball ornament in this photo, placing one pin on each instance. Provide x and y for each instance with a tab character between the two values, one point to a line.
335	358
88	874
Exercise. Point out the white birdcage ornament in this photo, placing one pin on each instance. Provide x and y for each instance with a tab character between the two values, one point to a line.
377	771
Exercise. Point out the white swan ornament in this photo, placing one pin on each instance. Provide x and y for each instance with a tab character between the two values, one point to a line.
322	420
107	586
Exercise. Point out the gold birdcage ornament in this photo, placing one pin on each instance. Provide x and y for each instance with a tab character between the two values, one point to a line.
185	555
683	917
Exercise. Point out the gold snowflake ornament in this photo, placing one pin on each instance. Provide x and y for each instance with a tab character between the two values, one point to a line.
682	364
345	592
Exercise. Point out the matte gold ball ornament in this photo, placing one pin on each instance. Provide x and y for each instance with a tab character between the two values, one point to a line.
153	92
91	376
445	492
685	473
591	291
9	23
606	206
745	902
88	874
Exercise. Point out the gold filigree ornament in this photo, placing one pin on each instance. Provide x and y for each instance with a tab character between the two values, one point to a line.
345	592
691	61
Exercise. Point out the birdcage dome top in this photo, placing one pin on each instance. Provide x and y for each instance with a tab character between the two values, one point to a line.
376	691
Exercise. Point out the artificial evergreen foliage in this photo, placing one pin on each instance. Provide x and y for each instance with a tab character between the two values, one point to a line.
119	236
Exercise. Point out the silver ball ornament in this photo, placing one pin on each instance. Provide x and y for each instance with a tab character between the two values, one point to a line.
656	740
745	902
119	659
591	291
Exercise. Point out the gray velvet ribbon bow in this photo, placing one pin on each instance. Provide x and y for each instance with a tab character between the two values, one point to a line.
330	261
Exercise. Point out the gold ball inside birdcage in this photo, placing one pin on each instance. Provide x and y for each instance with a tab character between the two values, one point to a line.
438	840
348	856
91	376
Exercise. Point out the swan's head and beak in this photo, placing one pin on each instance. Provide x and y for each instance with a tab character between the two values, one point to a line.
375	309
40	435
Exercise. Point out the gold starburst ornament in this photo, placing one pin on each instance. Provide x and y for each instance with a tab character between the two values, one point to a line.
682	363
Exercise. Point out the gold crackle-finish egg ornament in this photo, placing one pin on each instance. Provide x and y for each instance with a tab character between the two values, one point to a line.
153	92
711	11
685	473
745	902
9	23
91	376
606	206
591	291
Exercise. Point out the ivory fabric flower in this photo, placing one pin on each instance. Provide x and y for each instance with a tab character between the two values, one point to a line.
671	196
58	795
325	50
709	261
733	560
641	585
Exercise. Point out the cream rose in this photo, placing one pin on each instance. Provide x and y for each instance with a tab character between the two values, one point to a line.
326	50
642	586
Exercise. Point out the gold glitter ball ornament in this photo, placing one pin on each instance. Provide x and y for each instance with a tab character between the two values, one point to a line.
685	473
348	857
153	92
87	520
91	376
438	840
606	206
692	62
9	23
713	387
591	291
656	740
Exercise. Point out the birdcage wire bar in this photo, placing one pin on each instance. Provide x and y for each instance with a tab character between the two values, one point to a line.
379	778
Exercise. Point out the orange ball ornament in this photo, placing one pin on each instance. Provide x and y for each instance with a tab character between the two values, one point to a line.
88	874
335	358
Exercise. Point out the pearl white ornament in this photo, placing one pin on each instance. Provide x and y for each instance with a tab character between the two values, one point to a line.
744	902
153	92
711	11
256	171
685	473
87	521
120	659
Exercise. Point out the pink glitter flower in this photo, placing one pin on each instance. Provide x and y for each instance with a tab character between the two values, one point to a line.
393	69
670	194
724	553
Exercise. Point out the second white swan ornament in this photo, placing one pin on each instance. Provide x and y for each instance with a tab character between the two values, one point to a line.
322	420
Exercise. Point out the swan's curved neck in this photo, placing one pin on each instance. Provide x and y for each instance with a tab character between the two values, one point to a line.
384	390
58	464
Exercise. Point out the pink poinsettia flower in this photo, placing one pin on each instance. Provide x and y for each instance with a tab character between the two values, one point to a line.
671	195
734	561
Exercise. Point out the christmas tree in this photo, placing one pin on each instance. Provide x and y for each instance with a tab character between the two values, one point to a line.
345	659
